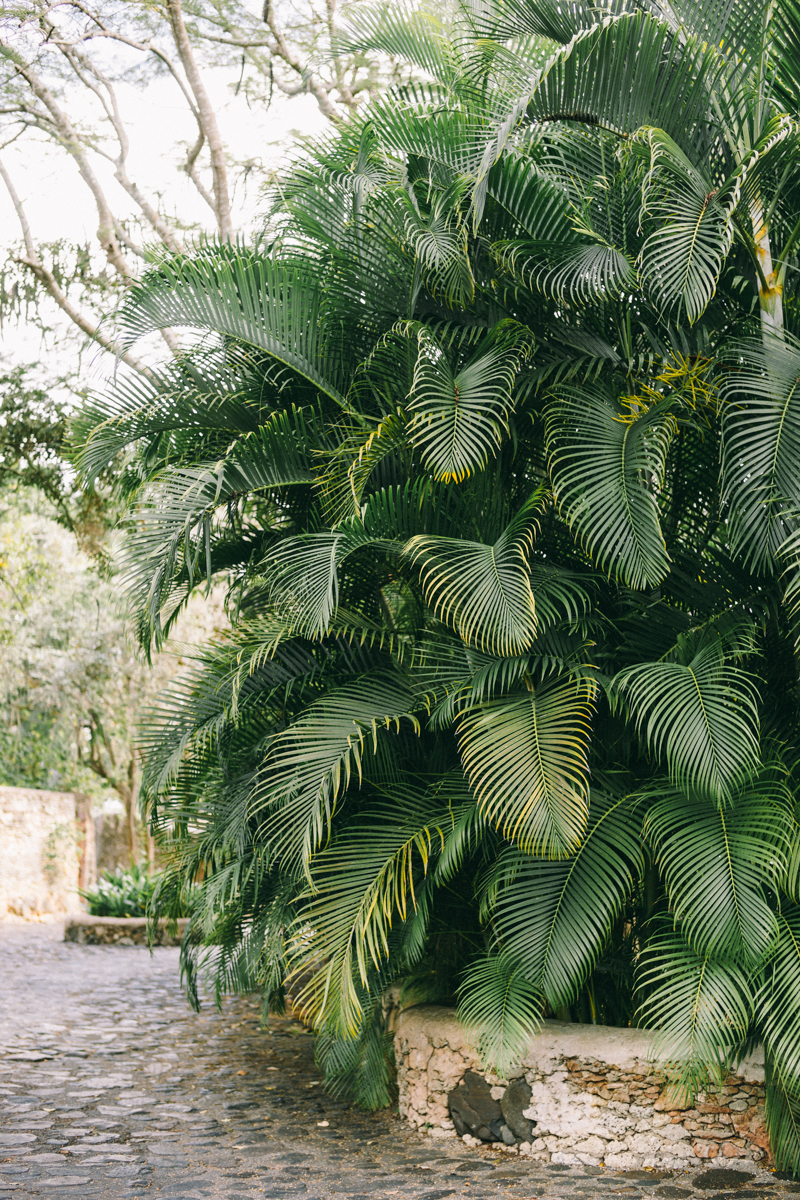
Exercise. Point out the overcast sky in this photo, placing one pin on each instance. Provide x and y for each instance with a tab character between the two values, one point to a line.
59	205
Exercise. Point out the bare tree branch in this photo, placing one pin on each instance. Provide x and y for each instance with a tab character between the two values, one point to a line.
102	87
53	51
208	119
106	233
48	280
292	59
191	170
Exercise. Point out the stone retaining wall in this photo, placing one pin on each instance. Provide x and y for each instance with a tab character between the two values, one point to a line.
119	931
582	1094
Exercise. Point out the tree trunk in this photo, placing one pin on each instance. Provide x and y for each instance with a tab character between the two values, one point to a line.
770	291
87	866
208	119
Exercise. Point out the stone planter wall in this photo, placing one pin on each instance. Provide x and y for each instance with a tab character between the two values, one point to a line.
119	931
582	1094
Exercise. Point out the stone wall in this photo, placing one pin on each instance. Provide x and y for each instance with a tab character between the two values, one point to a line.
122	931
111	841
585	1094
40	852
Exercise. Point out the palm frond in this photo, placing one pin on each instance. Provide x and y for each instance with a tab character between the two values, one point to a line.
483	591
274	305
761	447
701	717
363	882
501	1010
302	574
717	863
604	468
311	763
701	1009
526	760
651	75
552	918
460	417
683	256
779	997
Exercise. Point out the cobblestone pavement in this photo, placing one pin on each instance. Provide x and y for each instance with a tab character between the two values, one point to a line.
111	1087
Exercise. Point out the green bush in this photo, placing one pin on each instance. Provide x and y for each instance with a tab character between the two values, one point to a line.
121	893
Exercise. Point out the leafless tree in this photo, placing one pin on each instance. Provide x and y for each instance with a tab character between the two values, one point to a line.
64	67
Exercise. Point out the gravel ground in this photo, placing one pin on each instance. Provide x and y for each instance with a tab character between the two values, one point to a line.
110	1086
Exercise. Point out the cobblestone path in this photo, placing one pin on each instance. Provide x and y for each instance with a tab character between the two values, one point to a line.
111	1087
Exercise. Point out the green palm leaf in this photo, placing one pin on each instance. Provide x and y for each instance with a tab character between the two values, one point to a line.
525	758
682	258
559	22
439	245
170	534
460	418
313	762
362	883
700	717
552	918
785	32
353	462
783	1120
274	305
626	72
573	274
717	863
483	591
603	465
522	200
623	73
362	1068
403	31
302	574
501	1010
701	1009
761	447
199	393
559	595
779	998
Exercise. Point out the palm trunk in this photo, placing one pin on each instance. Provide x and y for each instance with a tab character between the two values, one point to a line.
770	292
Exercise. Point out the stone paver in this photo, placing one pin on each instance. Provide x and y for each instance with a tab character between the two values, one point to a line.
111	1087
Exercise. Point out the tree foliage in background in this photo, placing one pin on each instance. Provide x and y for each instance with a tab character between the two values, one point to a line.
71	687
494	436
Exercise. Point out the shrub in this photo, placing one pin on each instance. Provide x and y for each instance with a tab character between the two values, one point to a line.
121	893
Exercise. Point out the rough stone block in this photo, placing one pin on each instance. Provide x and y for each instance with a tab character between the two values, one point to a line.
673	1133
623	1162
593	1146
674	1098
513	1103
474	1110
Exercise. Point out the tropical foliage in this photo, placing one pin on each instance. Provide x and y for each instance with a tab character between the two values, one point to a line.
494	437
120	893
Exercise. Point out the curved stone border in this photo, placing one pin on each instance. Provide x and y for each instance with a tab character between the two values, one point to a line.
119	931
595	1097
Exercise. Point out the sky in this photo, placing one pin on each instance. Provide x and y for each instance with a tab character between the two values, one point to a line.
59	205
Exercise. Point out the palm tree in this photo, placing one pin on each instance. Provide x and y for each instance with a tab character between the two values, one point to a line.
492	437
